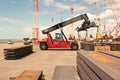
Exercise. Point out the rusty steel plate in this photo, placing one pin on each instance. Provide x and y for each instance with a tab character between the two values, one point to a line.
65	73
30	75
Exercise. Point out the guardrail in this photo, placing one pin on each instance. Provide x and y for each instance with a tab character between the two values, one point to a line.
18	52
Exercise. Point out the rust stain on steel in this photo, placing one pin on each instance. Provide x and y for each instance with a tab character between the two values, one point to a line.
112	53
115	52
102	48
30	75
101	58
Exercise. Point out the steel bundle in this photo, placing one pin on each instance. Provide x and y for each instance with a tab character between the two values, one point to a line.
94	68
18	52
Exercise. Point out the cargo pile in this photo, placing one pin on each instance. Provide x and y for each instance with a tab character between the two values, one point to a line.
97	66
18	52
100	46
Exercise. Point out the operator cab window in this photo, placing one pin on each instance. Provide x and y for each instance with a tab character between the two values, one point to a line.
58	36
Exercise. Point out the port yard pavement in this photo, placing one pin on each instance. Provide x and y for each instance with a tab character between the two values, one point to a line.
45	60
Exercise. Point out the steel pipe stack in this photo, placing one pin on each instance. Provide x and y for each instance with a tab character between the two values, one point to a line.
97	66
18	52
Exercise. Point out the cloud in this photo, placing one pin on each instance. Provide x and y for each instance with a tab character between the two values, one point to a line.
114	5
13	2
11	21
28	29
106	13
48	2
20	27
63	6
92	1
30	1
111	23
70	0
40	13
79	8
91	16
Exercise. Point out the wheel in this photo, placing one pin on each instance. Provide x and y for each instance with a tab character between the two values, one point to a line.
43	46
74	46
25	43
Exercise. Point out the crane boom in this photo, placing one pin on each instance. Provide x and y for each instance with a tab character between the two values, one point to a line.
65	23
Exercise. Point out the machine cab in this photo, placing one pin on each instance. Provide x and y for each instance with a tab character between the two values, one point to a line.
59	42
58	36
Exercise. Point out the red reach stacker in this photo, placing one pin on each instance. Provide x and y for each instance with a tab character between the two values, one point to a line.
61	40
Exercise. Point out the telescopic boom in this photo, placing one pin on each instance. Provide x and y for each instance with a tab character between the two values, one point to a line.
67	22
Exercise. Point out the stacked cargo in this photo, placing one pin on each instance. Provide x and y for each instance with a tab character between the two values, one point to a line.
18	52
118	47
97	66
102	48
87	46
82	45
115	46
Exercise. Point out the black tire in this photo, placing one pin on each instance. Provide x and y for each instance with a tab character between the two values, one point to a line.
43	46
74	46
25	43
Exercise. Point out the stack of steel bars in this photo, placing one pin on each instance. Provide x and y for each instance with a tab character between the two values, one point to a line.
119	47
18	52
97	66
115	46
87	46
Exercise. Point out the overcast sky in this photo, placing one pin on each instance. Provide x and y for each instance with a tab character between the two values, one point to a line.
16	16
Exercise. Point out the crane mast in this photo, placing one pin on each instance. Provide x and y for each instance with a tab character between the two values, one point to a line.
35	32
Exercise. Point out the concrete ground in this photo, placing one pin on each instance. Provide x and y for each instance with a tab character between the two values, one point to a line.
39	60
